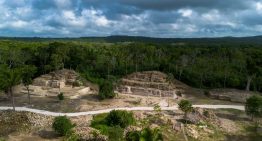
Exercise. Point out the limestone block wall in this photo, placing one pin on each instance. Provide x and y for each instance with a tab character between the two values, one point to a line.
145	91
56	79
149	83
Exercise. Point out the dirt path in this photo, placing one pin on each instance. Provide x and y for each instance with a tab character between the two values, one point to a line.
48	113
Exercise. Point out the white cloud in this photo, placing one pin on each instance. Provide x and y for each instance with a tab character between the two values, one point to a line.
185	12
96	17
18	24
211	16
259	6
79	18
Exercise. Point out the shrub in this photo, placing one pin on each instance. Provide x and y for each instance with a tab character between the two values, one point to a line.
253	106
132	136
115	133
60	96
206	114
120	118
106	90
98	120
178	93
62	125
71	136
207	93
76	83
185	106
113	123
145	134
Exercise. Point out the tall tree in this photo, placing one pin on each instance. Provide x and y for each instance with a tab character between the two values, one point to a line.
8	79
253	67
28	73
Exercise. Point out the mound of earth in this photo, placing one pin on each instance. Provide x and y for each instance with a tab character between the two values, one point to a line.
66	81
230	95
148	83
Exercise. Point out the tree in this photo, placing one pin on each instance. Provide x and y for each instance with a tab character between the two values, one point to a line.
120	118
28	73
185	106
182	62
106	90
8	79
62	125
253	66
56	61
253	106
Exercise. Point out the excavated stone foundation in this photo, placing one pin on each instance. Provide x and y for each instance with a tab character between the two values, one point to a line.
148	83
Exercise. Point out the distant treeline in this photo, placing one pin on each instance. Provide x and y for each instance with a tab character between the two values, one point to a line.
218	64
253	40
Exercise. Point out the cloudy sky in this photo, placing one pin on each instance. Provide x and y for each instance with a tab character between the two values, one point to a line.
154	18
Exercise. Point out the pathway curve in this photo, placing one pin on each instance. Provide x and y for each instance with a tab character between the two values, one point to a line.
48	113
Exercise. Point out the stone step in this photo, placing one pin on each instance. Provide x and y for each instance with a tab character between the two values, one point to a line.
162	86
146	91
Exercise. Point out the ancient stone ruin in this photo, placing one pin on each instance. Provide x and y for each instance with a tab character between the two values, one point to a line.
63	81
58	79
230	95
147	83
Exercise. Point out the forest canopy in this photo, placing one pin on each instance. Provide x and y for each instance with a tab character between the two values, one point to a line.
203	65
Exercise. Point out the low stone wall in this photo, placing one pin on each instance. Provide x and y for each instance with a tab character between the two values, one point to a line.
148	76
161	86
145	91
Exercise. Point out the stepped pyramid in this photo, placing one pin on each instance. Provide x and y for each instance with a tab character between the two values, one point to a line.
148	83
57	79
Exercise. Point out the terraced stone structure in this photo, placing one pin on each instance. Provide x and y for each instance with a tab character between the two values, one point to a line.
58	79
63	81
147	83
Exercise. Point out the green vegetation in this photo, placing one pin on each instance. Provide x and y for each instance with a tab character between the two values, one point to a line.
185	106
28	74
71	136
120	118
199	64
62	125
60	96
253	106
113	124
215	64
8	79
146	134
106	90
